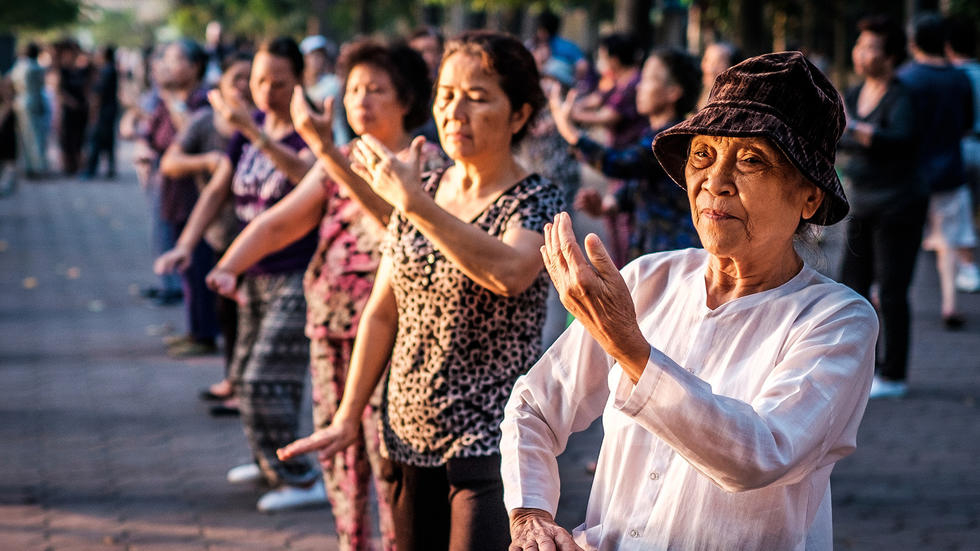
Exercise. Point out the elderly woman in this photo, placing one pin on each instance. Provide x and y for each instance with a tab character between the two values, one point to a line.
458	301
729	379
386	94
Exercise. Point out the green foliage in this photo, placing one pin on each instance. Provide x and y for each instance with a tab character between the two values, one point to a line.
38	14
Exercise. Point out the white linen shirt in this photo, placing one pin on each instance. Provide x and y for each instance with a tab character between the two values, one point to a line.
729	436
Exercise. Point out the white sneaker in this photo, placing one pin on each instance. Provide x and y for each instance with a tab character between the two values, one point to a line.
883	388
243	474
293	497
968	278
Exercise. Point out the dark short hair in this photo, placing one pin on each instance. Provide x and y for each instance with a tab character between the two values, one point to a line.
427	32
549	22
408	72
512	63
889	29
685	71
929	33
194	54
233	59
962	37
109	53
623	47
32	50
286	48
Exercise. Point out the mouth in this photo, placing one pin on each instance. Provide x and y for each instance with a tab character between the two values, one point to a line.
715	214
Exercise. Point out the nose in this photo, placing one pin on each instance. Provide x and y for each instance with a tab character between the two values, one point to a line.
719	179
455	110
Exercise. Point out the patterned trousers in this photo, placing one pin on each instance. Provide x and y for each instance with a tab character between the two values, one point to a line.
269	369
348	474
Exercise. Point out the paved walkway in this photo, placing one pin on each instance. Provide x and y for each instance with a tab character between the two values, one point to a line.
106	446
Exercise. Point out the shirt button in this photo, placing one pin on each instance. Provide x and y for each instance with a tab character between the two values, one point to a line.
427	269
654	476
430	258
634	533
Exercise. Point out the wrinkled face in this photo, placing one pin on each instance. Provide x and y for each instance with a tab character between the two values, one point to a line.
272	82
656	90
372	103
746	198
472	113
234	82
869	56
715	60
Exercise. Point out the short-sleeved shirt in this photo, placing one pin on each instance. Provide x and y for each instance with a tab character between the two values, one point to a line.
459	346
257	185
340	276
199	137
622	99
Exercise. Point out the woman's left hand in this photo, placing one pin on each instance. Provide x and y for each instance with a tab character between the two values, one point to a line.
595	293
232	111
397	181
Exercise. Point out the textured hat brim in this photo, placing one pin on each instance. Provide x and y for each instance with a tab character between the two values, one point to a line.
746	119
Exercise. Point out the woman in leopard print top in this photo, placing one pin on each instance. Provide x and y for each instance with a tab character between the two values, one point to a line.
458	303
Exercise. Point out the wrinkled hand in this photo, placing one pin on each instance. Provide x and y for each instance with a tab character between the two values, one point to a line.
316	130
595	293
536	530
233	111
561	112
328	441
222	282
396	179
176	259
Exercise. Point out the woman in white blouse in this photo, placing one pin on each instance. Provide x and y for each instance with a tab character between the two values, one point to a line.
729	379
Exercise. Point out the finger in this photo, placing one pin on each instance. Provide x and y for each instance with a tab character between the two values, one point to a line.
546	543
214	98
299	447
363	153
415	156
599	256
567	242
362	171
571	97
552	243
375	146
328	109
564	542
297	104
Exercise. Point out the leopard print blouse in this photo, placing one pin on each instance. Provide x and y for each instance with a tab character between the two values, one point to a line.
459	347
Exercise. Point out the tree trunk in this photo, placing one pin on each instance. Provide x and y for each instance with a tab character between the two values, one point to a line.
633	17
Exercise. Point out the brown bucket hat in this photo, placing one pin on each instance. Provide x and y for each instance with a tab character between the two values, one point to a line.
782	97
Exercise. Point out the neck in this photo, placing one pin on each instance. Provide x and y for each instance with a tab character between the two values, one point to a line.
278	121
481	176
663	117
729	278
396	141
928	59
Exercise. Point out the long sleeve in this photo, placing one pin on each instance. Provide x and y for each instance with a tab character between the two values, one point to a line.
784	430
563	393
633	161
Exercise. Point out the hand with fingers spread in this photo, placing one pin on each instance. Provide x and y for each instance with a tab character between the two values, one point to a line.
397	181
315	129
232	111
327	441
595	293
536	530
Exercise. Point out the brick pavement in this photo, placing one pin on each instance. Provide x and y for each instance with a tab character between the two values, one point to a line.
106	446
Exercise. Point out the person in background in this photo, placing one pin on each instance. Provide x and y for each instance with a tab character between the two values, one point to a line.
265	159
8	138
32	110
888	203
717	57
669	86
729	379
320	81
105	95
216	51
72	99
942	101
458	301
546	29
197	153
428	42
387	94
961	47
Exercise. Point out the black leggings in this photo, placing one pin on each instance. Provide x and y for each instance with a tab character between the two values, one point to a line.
458	506
883	248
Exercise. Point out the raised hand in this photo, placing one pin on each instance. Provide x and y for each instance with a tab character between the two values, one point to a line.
316	130
232	111
595	293
536	530
397	181
561	112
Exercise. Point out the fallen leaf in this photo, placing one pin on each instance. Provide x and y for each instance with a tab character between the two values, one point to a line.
73	273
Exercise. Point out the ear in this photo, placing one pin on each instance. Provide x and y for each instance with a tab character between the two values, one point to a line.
519	117
812	200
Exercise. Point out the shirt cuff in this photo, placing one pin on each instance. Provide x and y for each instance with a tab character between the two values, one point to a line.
631	398
531	502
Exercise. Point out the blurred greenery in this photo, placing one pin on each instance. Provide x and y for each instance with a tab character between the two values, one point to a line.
37	15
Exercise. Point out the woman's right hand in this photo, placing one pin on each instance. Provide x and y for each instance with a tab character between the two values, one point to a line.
176	259
327	441
561	112
536	529
316	130
222	282
233	111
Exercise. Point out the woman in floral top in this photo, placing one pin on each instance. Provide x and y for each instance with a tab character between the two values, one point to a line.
386	93
458	304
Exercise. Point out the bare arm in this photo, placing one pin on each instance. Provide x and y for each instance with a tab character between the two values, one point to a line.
604	116
317	132
175	163
372	350
506	266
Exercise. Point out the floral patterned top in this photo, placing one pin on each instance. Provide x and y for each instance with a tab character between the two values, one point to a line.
459	347
340	276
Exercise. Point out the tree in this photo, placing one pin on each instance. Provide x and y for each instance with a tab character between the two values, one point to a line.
37	15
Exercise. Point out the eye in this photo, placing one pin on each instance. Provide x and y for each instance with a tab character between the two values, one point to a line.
700	157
